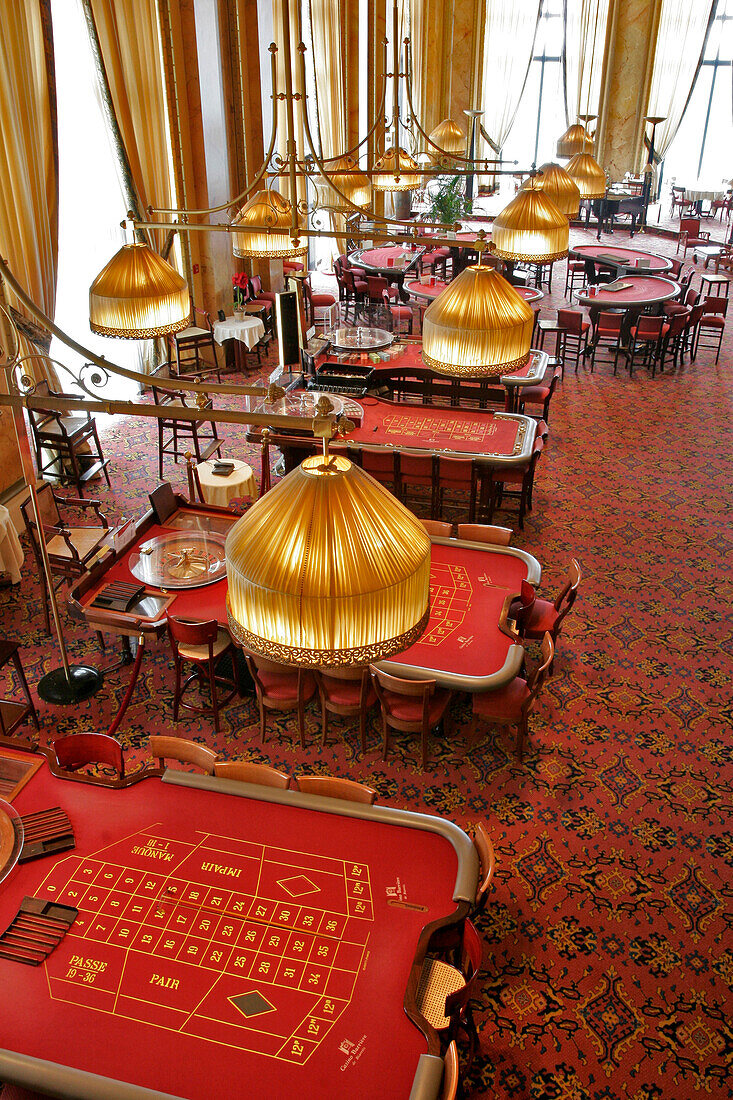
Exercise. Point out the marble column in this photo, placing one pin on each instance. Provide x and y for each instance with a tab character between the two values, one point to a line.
629	63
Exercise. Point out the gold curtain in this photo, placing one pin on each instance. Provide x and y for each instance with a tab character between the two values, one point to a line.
294	29
327	20
585	42
509	38
683	29
29	158
416	12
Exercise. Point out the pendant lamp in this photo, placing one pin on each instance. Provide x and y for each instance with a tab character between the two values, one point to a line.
560	188
576	139
138	296
328	569
531	229
395	171
449	137
262	228
588	175
478	327
345	174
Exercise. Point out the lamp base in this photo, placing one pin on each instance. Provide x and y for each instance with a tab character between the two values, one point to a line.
83	682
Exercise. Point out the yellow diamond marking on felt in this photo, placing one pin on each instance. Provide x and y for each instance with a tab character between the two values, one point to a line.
298	886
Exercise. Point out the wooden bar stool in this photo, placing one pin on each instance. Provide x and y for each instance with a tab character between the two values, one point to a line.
718	284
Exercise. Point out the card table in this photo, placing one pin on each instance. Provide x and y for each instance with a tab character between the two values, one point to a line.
643	291
468	644
230	940
619	260
392	262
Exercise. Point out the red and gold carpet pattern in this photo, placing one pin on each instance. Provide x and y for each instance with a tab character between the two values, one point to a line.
608	949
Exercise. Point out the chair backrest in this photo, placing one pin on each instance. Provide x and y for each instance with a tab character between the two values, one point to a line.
568	593
185	633
691	226
547	652
485	532
678	323
376	285
326	681
255	286
676	267
471	959
459	472
78	749
244	771
487	863
202	319
331	786
695	315
47	507
678	192
571	320
451	1073
715	304
385	683
649	326
416	464
440	528
691	297
186	752
378	462
609	324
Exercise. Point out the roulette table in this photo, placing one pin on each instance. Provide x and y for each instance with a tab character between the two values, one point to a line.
392	262
468	644
635	294
229	940
611	258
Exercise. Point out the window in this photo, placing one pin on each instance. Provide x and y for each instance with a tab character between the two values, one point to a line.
540	119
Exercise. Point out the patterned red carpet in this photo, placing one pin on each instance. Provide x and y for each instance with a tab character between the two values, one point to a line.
608	953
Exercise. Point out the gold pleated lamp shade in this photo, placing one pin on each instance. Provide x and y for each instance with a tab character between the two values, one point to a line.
530	228
449	137
353	183
263	228
395	171
560	188
328	569
589	176
478	327
576	139
138	295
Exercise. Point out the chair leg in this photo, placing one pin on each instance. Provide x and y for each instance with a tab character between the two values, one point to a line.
263	732
521	734
324	723
177	692
214	700
362	730
25	689
385	737
424	740
301	721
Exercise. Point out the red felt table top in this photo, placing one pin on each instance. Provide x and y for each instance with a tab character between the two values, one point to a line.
434	427
626	256
645	289
200	604
389	256
468	588
188	898
410	355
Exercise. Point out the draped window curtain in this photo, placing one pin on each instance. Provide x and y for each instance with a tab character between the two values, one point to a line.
29	161
683	30
328	63
414	18
509	38
282	184
585	41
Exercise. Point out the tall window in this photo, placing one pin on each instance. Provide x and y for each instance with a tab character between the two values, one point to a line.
702	145
540	119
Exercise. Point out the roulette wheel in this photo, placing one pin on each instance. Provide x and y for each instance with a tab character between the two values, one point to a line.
180	559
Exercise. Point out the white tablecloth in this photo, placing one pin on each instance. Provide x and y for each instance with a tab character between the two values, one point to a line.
11	552
220	490
248	331
700	190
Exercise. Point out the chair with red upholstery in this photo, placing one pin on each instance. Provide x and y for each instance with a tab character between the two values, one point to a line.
574	335
679	202
260	296
356	289
202	645
382	464
436	261
540	395
690	235
512	704
537	617
280	687
676	268
76	750
608	334
647	335
712	324
686	298
417	471
347	692
412	706
675	339
722	206
457	475
520	476
574	276
319	300
400	313
291	265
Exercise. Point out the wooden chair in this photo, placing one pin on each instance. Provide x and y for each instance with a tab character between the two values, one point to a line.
512	704
412	706
383	465
244	771
187	346
280	687
712	324
574	276
485	532
444	991
438	527
71	549
679	202
690	235
185	752
648	334
76	750
573	337
12	712
451	1073
541	395
331	786
609	327
347	692
203	645
416	470
73	451
520	476
176	436
487	865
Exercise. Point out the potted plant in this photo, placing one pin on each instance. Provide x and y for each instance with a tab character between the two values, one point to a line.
240	293
446	200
